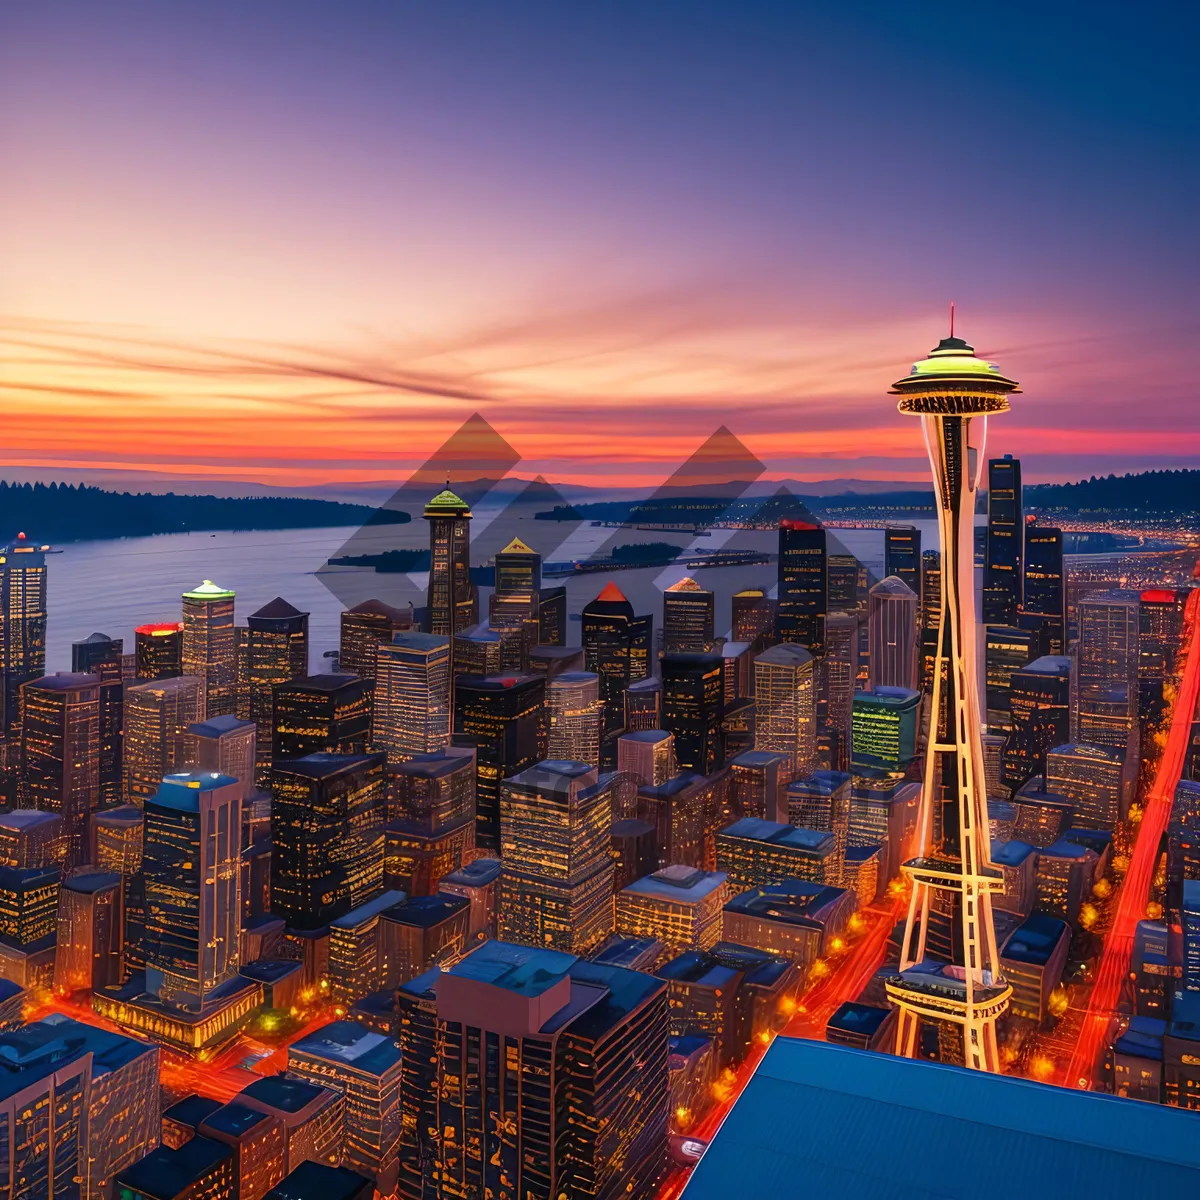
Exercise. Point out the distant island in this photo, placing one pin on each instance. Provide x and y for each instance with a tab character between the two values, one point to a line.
60	512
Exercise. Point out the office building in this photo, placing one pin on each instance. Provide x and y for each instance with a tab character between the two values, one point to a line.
356	956
575	717
892	635
1095	779
60	753
29	838
1045	595
1136	1060
692	704
504	717
803	591
28	925
737	671
159	651
412	696
1017	861
884	728
573	1025
556	881
902	555
316	1181
478	882
420	932
678	906
103	656
839	672
313	1117
794	918
191	859
226	745
259	1146
648	755
758	783
89	932
634	854
1065	873
1033	958
209	646
519	602
1108	656
847	579
754	615
453	604
686	811
753	853
23	629
1040	817
364	629
688	618
1039	697
785	704
321	714
616	646
200	1169
158	717
365	1067
430	827
1002	575
822	801
477	651
117	840
1160	627
1183	843
272	648
327	817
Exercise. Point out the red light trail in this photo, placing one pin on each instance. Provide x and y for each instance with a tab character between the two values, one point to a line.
1118	946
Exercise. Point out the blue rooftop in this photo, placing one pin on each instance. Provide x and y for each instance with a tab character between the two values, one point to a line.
826	1121
183	791
234	1119
678	884
1010	854
1143	1038
1035	940
317	1181
166	1173
862	1020
815	841
372	908
216	727
526	970
282	1092
475	874
350	1044
820	783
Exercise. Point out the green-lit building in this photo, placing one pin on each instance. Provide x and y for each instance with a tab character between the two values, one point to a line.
884	726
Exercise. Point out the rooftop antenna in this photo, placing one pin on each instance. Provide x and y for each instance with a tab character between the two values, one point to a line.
951	318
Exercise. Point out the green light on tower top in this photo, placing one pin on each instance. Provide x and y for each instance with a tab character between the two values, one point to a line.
447	504
208	591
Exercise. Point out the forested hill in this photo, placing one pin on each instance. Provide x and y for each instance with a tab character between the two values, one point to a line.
67	513
1174	492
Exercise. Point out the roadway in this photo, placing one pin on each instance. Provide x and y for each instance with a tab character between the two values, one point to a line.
1135	890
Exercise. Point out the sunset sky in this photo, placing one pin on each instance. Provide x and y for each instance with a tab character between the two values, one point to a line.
298	242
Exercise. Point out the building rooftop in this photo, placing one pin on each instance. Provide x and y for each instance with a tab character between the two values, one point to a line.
611	594
165	1173
330	682
820	783
863	1126
414	639
65	681
793	902
323	766
1036	940
372	908
317	1181
1065	848
677	884
649	736
424	912
525	970
377	608
814	841
351	1045
28	818
282	1092
1185	1015
892	585
860	1020
686	584
90	882
1088	750
216	727
631	952
191	1110
208	591
624	991
475	874
887	697
755	759
1048	664
516	546
160	630
234	1119
785	654
446	503
278	610
270	970
1010	854
183	790
1143	1038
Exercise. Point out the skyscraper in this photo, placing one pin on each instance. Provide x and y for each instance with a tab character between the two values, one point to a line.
209	648
892	635
226	745
575	717
616	646
1040	710
1006	650
450	586
803	593
556	877
272	649
327	816
902	554
1005	532
364	629
885	726
947	390
191	858
101	655
60	753
22	634
688	617
753	617
159	651
1161	624
931	616
648	755
505	718
412	695
785	696
1045	594
519	602
321	714
839	670
1097	781
692	705
158	716
1108	656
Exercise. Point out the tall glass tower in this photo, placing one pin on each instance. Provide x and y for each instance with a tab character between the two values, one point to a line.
952	876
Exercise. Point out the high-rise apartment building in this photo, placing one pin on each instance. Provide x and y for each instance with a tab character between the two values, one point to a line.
1045	593
803	592
616	646
453	604
272	650
1002	576
321	714
1108	656
892	634
785	697
556	876
22	623
412	695
158	717
209	649
692	706
364	629
504	716
575	717
158	650
1040	712
327	817
191	859
902	554
688	618
60	753
103	656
